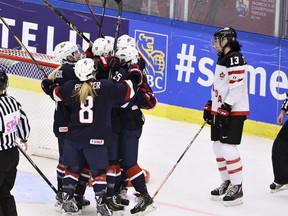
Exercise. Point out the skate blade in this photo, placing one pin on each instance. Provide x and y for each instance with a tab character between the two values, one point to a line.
119	213
284	187
216	198
148	210
71	213
233	203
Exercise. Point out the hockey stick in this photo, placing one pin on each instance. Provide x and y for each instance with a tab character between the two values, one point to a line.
102	17
23	46
120	8
173	168
81	34
37	169
99	25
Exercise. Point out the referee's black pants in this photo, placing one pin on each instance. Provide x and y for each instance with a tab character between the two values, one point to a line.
9	160
280	156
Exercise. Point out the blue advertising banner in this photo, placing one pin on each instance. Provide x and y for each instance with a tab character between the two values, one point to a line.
179	56
40	29
187	63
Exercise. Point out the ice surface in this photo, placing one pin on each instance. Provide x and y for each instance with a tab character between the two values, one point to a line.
187	190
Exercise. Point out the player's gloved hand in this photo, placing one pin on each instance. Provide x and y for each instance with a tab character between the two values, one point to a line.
46	85
207	112
110	62
113	63
135	74
224	114
145	98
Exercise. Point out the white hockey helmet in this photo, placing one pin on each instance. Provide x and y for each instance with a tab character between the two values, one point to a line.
127	54
65	50
102	47
85	69
125	40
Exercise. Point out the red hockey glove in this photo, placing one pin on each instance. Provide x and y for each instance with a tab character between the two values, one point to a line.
136	75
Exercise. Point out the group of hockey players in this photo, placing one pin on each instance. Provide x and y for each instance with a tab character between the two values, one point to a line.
98	122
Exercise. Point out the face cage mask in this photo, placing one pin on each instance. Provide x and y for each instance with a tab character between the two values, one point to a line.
213	42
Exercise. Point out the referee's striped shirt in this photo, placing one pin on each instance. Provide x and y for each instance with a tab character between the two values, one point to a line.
13	122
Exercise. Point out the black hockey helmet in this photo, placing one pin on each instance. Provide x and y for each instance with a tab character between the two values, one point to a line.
226	32
3	80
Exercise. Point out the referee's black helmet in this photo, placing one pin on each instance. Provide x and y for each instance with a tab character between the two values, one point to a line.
3	80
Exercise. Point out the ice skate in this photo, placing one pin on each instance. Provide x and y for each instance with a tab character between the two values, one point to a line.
81	201
217	193
102	208
274	187
233	195
69	205
114	204
59	201
144	204
123	192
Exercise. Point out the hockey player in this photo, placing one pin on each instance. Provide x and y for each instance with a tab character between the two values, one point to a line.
131	121
90	102
280	152
107	63
14	123
226	112
67	53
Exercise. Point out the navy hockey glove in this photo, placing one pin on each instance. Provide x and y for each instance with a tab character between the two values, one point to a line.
224	114
113	62
207	112
136	75
110	62
46	85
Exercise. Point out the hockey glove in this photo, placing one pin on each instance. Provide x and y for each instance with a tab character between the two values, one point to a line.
207	112
145	98
46	86
107	63
113	62
135	75
224	114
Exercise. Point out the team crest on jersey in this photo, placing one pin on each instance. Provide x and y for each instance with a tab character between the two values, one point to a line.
153	48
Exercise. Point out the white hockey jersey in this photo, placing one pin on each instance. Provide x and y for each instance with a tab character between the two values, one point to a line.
230	84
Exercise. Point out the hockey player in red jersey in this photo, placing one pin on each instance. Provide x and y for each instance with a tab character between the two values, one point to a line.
226	112
90	102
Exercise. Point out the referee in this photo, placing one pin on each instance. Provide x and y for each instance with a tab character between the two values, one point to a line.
13	122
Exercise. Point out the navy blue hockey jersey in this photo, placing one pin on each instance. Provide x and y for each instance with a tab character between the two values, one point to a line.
91	122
